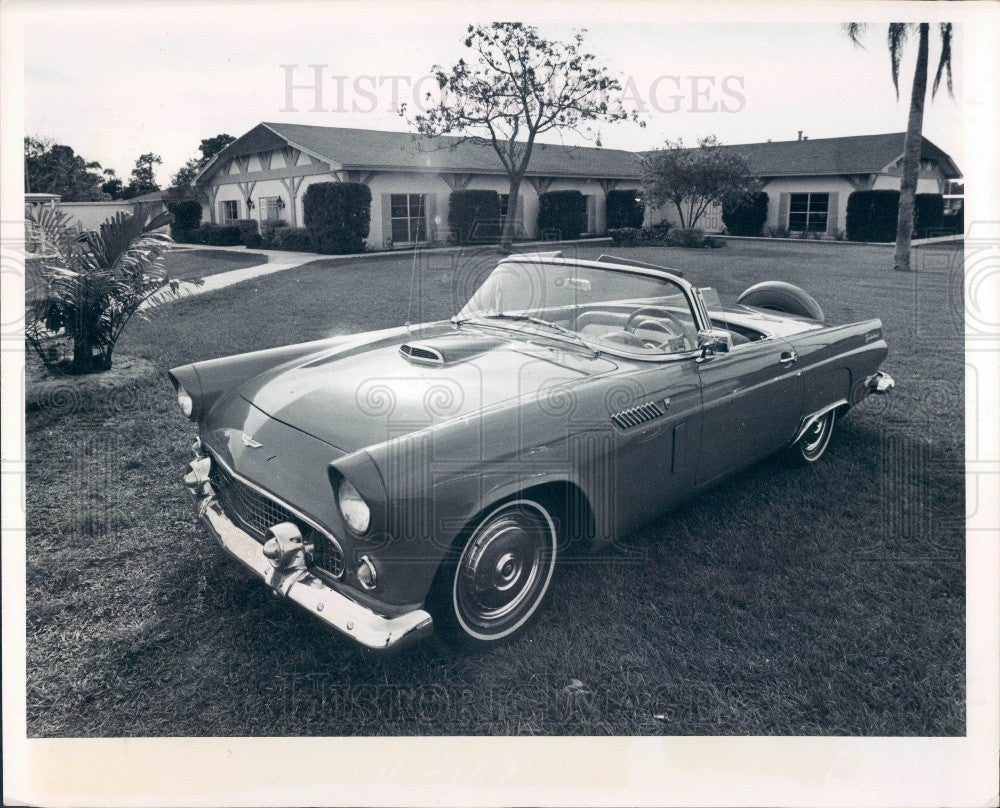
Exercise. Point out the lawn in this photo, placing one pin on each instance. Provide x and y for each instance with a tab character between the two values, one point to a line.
190	264
824	601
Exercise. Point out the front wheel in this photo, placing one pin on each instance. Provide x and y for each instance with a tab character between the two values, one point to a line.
500	578
811	446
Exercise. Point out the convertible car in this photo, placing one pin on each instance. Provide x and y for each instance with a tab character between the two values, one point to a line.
430	477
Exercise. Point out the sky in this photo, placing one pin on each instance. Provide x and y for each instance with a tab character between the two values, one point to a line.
114	80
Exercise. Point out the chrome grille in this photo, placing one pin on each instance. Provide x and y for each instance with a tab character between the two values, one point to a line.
256	512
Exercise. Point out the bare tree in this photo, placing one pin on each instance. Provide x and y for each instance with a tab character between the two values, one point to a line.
516	86
898	33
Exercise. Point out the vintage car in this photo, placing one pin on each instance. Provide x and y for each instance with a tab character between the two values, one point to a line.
430	476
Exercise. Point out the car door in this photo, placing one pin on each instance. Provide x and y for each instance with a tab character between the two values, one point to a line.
752	400
654	430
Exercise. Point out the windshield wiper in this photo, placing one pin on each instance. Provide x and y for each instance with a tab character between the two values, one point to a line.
526	318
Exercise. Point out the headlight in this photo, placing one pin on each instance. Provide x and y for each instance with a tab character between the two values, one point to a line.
353	508
185	401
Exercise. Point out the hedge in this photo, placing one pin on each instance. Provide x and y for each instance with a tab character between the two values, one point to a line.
622	209
563	212
187	218
295	239
928	215
474	215
873	215
745	215
216	235
337	216
249	234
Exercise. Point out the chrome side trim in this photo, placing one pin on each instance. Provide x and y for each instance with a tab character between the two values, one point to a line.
332	608
812	418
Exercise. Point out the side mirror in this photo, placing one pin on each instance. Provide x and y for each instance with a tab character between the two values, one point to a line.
713	341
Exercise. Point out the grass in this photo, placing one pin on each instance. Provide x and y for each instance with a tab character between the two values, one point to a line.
190	264
824	601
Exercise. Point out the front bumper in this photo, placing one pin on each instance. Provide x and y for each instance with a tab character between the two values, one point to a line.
295	581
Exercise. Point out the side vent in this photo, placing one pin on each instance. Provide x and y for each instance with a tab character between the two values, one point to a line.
634	416
421	355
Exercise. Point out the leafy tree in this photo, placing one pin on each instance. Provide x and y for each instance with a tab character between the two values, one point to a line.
89	287
183	180
53	168
143	179
694	178
113	185
898	34
515	86
211	146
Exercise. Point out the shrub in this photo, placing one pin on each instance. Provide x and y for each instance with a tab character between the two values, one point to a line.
624	236
293	239
249	235
216	235
474	215
772	231
691	237
337	216
564	212
187	218
93	283
928	215
623	211
745	215
872	215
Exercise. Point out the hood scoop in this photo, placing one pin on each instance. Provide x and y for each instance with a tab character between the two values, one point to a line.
448	349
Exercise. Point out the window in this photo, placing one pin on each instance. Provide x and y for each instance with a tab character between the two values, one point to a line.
269	207
230	210
504	205
408	213
807	212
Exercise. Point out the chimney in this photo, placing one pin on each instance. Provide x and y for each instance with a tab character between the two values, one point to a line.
800	134
805	137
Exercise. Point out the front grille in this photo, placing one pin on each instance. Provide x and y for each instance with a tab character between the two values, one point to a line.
256	512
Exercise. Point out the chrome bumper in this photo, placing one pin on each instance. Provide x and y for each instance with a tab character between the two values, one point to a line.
880	384
294	580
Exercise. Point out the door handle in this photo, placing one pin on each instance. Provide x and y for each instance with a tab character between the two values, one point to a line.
788	357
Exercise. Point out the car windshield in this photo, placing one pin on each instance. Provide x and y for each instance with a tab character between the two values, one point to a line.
611	310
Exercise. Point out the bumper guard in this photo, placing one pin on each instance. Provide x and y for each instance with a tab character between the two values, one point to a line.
288	575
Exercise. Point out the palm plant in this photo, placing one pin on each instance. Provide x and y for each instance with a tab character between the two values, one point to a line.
85	287
898	34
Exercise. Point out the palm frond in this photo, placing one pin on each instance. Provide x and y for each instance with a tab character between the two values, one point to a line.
898	34
944	63
854	31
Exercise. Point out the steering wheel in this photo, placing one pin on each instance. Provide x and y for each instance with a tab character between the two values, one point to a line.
655	314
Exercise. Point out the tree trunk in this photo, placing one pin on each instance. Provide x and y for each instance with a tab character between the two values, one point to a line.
506	245
911	155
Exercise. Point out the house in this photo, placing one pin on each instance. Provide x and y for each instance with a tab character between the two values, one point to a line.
264	175
90	215
808	181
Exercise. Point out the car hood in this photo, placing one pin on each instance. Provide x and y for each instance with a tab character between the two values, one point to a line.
362	396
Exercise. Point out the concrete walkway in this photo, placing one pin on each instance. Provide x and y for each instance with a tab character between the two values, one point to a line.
280	260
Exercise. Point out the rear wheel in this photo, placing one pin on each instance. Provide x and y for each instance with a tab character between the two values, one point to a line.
496	585
811	446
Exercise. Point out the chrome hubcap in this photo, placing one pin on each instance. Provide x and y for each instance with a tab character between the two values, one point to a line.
814	441
503	571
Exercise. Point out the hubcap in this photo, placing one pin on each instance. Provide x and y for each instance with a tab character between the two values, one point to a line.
503	572
814	441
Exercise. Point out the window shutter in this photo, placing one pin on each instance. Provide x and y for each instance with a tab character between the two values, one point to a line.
386	220
430	211
783	210
832	213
